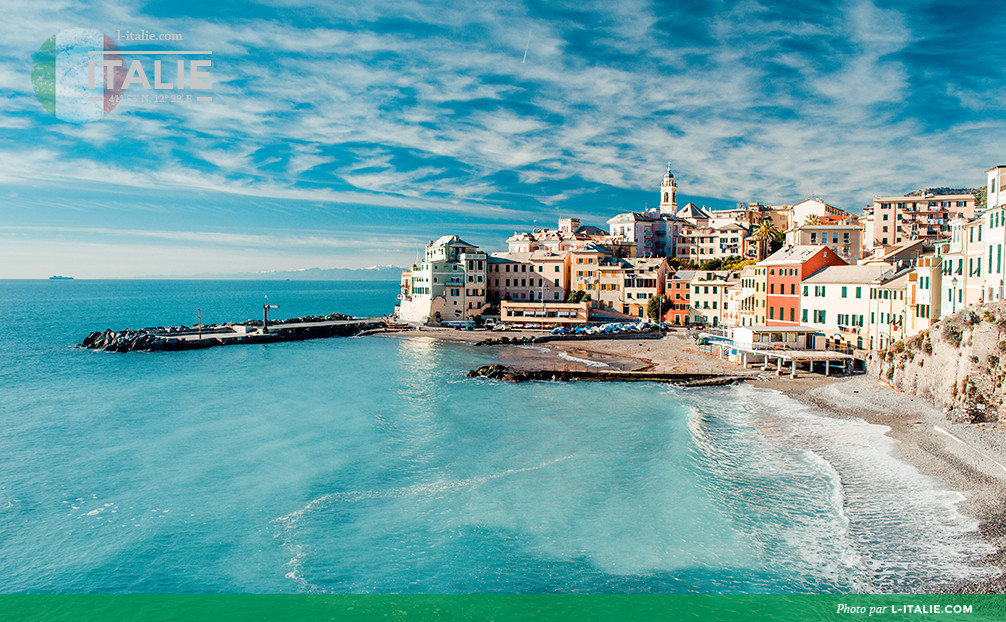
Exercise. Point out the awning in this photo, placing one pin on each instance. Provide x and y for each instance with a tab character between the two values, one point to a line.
744	297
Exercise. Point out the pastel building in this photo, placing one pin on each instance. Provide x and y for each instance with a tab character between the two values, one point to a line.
995	231
974	292
886	322
836	301
953	276
585	268
741	299
643	278
709	296
541	275
701	244
802	211
923	294
923	215
844	239
449	285
570	234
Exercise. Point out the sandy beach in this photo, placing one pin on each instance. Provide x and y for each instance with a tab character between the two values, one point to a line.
970	458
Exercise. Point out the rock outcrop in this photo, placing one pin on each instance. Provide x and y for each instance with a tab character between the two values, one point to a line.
959	365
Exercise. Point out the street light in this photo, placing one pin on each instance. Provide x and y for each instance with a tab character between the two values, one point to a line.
265	315
953	293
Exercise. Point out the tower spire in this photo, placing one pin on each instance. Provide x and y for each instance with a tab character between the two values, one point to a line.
668	193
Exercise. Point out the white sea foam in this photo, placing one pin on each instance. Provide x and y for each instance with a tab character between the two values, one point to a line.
871	521
566	356
587	362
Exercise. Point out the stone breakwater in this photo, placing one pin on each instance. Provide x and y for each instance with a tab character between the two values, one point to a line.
510	374
179	338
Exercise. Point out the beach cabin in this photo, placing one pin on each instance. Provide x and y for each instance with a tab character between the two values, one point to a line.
778	338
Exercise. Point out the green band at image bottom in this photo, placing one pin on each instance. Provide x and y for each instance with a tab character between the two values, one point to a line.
575	608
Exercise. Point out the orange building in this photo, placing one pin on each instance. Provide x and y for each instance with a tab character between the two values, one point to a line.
678	292
786	268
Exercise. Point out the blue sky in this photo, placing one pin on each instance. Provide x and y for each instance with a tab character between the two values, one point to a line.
349	134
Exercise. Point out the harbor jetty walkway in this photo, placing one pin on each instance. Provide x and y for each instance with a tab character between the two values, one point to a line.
779	359
177	338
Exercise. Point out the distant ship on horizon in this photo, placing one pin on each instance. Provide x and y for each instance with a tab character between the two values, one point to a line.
57	277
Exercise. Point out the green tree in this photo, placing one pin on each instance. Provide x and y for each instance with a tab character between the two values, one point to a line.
765	233
656	307
738	264
681	264
813	219
711	264
981	197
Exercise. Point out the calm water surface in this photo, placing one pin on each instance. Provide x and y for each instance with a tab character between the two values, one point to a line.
373	465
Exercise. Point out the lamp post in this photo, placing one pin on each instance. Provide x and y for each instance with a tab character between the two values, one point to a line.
265	315
953	293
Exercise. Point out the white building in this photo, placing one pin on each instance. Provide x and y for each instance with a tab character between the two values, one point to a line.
844	239
449	285
888	304
836	300
924	288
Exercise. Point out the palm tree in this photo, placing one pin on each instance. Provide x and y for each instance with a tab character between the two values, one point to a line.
765	232
813	219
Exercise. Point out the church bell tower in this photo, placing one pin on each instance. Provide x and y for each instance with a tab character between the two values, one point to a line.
668	193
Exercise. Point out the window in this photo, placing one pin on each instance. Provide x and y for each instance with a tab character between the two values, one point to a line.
804	316
845	292
792	314
806	288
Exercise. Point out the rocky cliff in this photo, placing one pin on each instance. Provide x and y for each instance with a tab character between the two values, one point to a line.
959	365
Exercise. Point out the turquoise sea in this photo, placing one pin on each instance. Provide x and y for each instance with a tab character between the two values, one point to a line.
372	465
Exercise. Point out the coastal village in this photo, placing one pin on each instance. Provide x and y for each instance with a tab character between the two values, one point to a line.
806	276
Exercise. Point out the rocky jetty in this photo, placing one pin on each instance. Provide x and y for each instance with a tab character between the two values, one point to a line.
176	338
497	341
510	374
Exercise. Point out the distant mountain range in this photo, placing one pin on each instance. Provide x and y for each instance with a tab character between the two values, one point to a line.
373	273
